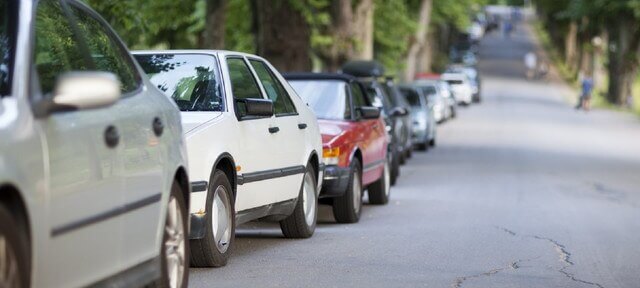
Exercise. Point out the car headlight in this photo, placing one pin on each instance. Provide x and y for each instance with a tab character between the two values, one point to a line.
331	156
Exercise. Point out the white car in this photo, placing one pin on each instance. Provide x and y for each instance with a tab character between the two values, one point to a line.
93	182
254	147
461	87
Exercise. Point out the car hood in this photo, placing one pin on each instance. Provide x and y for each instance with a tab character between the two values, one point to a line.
192	120
332	130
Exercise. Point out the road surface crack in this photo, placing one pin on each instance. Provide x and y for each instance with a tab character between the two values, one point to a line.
512	266
563	254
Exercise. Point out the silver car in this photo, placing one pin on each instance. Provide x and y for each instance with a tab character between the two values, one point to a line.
433	90
93	186
423	116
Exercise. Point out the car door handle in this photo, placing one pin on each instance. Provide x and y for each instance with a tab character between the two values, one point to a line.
273	130
158	126
302	126
111	136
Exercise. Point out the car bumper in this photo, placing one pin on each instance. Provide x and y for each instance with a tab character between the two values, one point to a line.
336	181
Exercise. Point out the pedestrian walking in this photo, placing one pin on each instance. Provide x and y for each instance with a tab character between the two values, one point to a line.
531	63
584	101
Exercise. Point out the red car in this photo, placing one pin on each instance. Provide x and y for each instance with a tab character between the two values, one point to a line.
354	142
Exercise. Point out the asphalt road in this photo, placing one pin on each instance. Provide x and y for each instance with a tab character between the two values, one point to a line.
522	191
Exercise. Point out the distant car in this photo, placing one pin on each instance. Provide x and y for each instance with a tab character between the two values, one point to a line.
93	182
474	79
354	141
461	87
399	103
254	147
422	113
450	100
439	105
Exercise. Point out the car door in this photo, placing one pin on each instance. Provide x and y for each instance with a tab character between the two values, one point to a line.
85	184
256	162
141	146
289	152
372	135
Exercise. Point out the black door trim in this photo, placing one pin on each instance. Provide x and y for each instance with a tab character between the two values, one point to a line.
270	174
66	228
275	211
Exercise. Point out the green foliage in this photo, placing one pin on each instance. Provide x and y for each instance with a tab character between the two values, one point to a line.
455	12
238	36
393	27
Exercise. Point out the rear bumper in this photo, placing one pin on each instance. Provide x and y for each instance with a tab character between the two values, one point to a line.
336	181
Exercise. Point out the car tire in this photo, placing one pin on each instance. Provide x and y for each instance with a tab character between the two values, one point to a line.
423	146
432	142
347	208
15	271
302	222
453	112
409	153
380	190
402	157
395	168
214	248
175	231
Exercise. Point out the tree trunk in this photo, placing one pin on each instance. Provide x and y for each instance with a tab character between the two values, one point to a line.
283	36
571	44
418	42
341	30
363	19
426	55
624	37
215	24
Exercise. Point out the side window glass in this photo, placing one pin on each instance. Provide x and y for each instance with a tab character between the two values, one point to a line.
243	85
347	105
106	52
282	104
358	97
57	50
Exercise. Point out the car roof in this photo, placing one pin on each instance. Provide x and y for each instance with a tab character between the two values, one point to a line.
362	68
318	76
218	53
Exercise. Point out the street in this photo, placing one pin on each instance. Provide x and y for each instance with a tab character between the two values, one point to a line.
521	191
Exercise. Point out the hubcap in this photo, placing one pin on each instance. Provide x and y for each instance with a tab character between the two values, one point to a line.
357	193
221	211
174	244
9	275
309	199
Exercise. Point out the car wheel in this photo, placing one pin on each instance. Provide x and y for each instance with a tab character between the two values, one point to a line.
14	263
380	190
409	153
302	222
432	142
214	248
424	146
395	168
347	208
453	112
173	252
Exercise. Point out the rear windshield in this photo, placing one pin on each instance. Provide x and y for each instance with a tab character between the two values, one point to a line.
327	98
412	96
7	44
191	80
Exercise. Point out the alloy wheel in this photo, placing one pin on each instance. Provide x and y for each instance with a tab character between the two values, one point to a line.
174	244
357	193
309	199
9	273
222	222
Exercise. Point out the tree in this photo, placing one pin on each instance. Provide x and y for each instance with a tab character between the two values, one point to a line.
419	40
214	32
282	34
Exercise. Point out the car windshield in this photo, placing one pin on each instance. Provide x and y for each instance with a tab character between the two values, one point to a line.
412	96
6	47
327	98
191	80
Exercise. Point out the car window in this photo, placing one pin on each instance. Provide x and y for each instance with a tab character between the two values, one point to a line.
191	80
243	85
282	104
107	53
412	96
429	90
327	98
7	44
57	49
358	96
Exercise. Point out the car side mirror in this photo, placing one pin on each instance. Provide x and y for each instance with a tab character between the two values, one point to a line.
81	91
369	112
399	111
255	107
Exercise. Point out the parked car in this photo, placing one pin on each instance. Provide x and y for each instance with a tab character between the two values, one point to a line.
93	182
385	94
450	100
254	147
431	90
423	115
474	79
354	141
461	87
